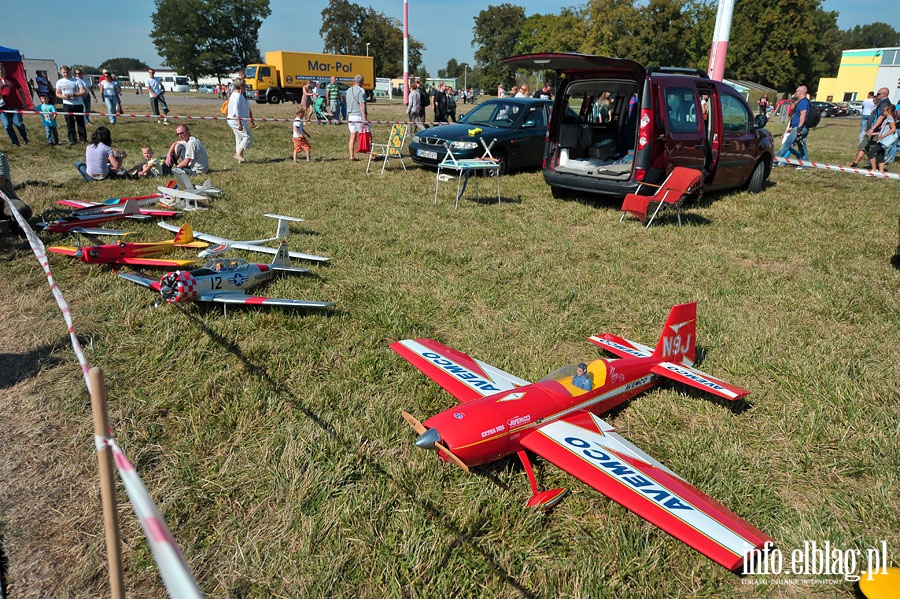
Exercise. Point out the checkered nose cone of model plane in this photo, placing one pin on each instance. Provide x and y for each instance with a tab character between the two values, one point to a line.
178	286
558	419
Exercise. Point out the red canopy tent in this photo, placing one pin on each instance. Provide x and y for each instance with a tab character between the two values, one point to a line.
12	62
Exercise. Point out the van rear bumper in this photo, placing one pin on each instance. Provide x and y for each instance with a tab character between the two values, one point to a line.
590	184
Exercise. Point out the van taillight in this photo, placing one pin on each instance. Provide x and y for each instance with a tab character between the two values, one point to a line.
639	174
645	129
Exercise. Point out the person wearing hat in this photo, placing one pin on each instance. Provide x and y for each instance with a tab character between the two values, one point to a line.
581	378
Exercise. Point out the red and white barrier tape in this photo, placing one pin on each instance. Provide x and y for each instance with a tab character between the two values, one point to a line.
837	167
176	574
185	117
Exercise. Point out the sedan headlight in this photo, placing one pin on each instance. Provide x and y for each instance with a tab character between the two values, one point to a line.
463	145
416	139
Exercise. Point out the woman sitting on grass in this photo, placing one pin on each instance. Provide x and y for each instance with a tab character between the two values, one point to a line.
102	161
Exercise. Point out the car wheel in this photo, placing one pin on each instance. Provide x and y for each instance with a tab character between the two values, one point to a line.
758	178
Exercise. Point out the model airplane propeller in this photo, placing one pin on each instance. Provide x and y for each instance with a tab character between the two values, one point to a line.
557	418
225	281
221	244
135	254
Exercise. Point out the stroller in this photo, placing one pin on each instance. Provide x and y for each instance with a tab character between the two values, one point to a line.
321	110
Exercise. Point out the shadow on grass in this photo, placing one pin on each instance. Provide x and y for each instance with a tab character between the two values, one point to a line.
460	536
18	367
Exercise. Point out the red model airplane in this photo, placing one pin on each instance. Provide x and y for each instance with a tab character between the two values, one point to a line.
84	222
557	418
113	205
136	254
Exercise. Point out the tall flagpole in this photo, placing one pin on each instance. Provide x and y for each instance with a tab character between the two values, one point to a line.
406	51
719	49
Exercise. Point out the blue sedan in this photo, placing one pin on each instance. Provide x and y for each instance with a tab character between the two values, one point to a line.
516	126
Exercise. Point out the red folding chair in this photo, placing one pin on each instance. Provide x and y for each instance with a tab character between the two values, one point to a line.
681	181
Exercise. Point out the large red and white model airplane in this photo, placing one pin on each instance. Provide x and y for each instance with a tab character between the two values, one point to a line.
557	418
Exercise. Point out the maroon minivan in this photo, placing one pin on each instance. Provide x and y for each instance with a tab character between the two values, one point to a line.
616	124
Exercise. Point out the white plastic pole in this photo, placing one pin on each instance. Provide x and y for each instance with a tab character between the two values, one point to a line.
405	51
719	49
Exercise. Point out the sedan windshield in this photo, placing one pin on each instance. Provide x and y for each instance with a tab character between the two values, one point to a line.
493	114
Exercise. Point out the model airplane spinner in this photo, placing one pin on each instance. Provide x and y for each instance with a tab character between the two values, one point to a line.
502	414
225	280
221	244
135	254
84	222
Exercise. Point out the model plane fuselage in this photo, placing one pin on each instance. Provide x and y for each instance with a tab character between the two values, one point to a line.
489	428
235	275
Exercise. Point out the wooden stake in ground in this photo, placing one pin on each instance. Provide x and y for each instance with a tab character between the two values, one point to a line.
107	484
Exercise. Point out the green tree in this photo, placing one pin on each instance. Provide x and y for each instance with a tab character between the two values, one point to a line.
783	43
121	66
609	24
873	35
208	37
661	34
496	33
552	33
85	68
347	28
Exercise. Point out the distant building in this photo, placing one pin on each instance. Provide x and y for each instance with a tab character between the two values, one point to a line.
862	71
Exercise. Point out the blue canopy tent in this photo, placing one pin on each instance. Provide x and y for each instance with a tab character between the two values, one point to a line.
15	70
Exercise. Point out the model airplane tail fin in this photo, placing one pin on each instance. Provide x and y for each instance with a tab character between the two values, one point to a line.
131	208
282	258
284	230
679	337
185	235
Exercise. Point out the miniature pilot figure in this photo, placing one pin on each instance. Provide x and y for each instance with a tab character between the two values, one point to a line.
581	379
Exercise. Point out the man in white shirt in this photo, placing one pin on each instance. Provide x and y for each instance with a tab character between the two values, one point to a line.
240	119
188	153
70	90
157	96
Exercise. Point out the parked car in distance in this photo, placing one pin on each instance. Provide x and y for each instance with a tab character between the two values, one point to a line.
826	109
515	126
617	125
205	89
843	109
855	107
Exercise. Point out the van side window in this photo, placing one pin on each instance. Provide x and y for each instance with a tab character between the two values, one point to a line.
735	117
682	110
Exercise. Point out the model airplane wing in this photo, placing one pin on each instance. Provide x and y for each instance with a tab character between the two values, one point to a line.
462	376
250	246
59	249
238	297
699	379
586	447
153	284
157	262
620	346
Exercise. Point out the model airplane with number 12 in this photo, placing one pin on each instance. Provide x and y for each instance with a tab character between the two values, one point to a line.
226	281
557	418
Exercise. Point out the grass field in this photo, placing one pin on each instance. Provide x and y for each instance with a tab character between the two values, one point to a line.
271	440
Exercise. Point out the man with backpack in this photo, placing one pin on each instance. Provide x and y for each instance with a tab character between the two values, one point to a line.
798	128
873	125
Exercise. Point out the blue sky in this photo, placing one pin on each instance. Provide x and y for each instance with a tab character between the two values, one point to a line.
90	31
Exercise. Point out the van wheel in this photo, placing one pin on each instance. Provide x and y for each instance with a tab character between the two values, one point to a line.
758	178
559	193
